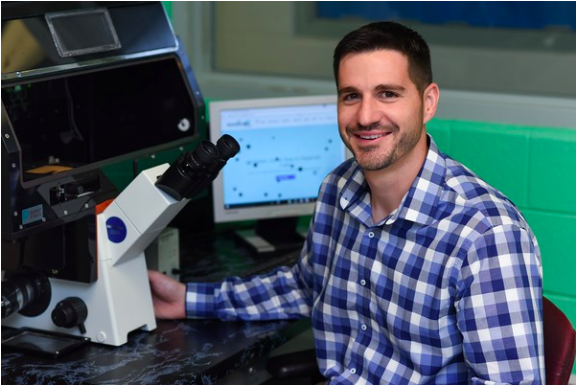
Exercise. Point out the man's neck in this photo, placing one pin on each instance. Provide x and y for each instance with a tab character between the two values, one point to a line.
389	186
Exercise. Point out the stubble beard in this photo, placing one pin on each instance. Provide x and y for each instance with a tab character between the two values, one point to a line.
371	158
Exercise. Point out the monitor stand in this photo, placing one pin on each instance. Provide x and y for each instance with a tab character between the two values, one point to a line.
273	236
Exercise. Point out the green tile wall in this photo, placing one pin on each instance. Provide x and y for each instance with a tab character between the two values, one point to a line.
536	168
498	154
556	233
552	166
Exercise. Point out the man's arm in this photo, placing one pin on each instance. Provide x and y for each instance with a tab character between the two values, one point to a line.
279	294
500	308
284	293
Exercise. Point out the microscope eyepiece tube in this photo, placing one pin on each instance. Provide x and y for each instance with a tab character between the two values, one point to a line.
205	153
187	169
228	147
196	169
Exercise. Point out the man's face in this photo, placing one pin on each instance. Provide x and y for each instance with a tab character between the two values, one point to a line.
380	110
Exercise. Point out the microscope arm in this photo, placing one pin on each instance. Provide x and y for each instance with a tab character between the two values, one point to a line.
136	217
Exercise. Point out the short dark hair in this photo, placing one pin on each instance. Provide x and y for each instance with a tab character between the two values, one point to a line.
388	35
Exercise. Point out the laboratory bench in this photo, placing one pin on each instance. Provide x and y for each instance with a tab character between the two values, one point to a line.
177	352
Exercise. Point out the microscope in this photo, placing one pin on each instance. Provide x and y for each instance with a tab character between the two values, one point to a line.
95	84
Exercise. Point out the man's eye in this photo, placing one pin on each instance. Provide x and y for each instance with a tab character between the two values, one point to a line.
389	94
350	97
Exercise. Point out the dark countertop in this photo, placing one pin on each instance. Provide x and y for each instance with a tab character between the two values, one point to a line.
177	352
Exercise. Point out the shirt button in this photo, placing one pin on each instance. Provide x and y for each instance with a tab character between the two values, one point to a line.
371	235
352	371
363	282
364	327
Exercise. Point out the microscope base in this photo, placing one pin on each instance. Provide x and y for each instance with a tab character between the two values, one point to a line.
118	302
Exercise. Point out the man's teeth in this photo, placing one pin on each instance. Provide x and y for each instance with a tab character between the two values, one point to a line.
370	136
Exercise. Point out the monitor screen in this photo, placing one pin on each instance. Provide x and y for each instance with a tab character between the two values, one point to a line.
288	146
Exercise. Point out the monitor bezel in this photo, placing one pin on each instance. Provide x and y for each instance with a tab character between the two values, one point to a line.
222	215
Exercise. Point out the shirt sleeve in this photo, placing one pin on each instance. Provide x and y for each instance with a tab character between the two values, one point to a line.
280	294
499	308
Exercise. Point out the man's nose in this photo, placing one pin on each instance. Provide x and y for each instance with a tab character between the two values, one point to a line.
368	112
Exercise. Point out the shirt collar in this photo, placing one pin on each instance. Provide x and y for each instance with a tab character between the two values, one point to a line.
418	205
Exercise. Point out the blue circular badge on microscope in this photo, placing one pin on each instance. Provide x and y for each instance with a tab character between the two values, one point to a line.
115	229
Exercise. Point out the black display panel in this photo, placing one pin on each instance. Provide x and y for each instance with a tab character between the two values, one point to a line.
109	114
43	343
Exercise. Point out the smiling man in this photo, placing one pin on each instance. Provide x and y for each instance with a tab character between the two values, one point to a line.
414	269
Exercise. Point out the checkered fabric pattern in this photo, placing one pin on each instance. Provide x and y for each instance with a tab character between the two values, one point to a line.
446	290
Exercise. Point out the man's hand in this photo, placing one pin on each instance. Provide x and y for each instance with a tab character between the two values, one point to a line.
168	296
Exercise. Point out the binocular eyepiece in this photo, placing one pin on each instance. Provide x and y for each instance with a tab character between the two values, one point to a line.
196	169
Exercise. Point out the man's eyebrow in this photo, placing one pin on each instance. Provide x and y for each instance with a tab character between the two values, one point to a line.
390	87
379	87
346	90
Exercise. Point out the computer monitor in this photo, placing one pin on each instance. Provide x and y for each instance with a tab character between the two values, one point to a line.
288	146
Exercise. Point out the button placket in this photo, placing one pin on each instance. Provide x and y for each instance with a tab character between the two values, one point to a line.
367	254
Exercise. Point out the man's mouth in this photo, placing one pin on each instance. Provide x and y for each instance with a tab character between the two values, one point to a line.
371	136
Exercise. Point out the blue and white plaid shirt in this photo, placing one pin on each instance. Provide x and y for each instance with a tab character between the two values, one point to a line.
447	289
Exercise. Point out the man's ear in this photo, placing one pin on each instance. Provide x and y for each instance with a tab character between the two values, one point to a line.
431	96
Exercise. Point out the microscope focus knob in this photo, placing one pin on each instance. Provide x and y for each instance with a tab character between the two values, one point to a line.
70	312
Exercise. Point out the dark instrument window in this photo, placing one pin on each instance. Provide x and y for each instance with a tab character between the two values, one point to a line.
92	117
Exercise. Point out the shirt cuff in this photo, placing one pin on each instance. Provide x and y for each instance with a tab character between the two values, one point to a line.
200	300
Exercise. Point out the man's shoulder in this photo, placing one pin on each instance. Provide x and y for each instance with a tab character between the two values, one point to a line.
467	190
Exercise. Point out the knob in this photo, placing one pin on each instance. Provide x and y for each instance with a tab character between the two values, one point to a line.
70	312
